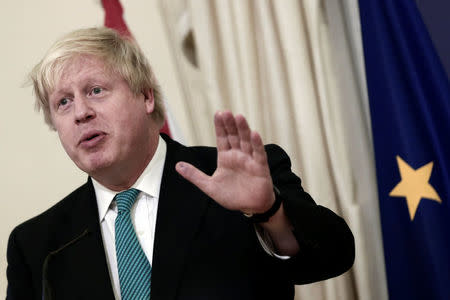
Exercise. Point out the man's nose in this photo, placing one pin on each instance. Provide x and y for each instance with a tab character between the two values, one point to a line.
83	110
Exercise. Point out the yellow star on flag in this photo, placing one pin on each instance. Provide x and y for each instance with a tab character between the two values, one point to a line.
414	185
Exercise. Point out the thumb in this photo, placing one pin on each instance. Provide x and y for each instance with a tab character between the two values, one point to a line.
194	175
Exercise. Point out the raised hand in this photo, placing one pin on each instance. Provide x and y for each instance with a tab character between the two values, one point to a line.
242	179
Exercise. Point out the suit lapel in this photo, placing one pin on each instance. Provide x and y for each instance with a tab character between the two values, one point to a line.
180	210
78	266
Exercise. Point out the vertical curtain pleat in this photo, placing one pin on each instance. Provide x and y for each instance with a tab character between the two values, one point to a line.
345	36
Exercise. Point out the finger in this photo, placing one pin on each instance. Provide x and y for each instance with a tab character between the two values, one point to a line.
195	176
244	134
221	134
231	129
259	153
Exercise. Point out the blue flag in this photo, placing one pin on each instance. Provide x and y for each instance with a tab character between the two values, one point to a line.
409	99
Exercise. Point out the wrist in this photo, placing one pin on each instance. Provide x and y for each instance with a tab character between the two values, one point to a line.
265	216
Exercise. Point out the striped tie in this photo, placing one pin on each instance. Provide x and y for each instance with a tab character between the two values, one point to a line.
134	268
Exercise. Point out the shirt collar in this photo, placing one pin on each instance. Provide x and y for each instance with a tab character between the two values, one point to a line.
149	182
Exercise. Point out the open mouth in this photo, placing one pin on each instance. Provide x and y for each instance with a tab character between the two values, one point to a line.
91	138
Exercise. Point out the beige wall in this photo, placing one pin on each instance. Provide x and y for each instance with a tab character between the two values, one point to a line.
35	172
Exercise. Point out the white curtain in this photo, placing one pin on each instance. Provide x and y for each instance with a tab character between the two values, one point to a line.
345	38
281	64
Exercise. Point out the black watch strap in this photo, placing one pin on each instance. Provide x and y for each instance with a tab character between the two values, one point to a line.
264	217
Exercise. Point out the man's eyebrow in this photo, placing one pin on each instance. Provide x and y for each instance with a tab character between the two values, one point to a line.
57	93
97	77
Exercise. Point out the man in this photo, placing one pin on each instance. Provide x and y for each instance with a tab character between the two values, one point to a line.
157	219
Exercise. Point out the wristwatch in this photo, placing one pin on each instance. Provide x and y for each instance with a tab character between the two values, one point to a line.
265	216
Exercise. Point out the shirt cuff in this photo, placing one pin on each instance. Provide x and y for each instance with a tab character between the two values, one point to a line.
266	243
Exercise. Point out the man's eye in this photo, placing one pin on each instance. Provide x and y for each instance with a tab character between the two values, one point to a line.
63	101
96	90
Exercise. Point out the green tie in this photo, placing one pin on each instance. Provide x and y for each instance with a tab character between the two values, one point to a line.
134	268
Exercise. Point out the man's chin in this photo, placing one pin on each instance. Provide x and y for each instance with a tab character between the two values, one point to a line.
93	168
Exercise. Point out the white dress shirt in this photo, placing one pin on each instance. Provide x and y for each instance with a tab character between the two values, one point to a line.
143	212
143	215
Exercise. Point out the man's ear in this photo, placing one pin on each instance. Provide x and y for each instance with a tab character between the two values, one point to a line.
149	100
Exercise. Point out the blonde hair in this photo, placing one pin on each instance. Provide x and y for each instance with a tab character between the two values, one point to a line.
120	54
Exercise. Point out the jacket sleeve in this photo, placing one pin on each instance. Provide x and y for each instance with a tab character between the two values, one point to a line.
18	273
326	243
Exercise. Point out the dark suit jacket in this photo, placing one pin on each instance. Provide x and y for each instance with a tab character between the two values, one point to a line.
201	250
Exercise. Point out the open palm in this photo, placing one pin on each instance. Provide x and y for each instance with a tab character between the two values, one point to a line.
242	179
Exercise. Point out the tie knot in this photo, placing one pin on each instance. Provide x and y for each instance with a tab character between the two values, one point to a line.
126	199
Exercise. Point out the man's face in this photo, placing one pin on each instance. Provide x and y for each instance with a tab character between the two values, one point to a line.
102	124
